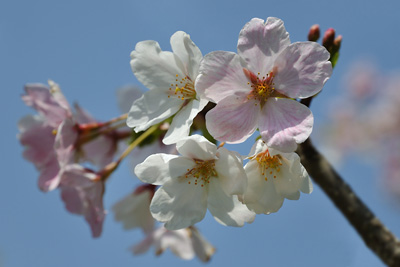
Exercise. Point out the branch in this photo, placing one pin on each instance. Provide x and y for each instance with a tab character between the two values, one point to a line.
375	235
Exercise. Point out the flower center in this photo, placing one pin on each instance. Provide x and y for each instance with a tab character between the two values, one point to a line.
201	173
262	88
268	164
183	88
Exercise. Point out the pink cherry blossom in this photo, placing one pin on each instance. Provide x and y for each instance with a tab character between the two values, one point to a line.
255	88
82	192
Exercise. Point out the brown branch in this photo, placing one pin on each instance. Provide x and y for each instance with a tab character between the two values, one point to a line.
375	235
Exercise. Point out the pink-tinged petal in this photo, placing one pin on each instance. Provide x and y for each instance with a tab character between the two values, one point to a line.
82	192
284	123
231	175
65	142
49	178
40	98
153	107
197	147
233	120
126	96
227	209
179	204
155	169
154	68
260	43
38	139
82	116
302	69
100	151
180	126
221	75
187	51
59	97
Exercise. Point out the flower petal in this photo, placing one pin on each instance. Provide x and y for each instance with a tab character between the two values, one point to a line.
197	147
286	183
187	51
154	68
285	122
260	43
179	204
153	107
233	120
155	169
180	126
261	195
227	210
231	175
221	75
302	69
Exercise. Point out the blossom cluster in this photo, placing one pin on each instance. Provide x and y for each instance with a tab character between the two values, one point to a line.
227	97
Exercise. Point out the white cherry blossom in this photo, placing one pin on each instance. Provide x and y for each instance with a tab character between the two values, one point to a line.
170	78
272	177
203	177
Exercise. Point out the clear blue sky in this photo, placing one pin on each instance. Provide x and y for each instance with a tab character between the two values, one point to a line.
85	45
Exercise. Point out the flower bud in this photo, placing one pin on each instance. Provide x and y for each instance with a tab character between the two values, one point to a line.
314	33
328	39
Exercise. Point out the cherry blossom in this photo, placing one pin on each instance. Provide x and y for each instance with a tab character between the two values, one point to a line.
203	177
170	76
57	136
184	243
256	88
272	177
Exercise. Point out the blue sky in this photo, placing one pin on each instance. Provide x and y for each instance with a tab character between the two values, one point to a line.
85	45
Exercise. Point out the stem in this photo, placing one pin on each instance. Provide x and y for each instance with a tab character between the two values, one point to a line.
114	165
375	235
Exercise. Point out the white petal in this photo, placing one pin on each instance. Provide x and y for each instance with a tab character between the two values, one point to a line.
126	96
177	241
153	107
261	195
284	123
227	210
182	121
154	68
286	183
203	249
221	75
302	69
155	169
188	52
260	43
231	175
179	204
197	147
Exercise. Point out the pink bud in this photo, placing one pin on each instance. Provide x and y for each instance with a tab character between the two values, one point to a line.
328	39
314	33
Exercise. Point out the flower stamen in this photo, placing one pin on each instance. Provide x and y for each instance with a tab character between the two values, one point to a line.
268	164
183	88
202	172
